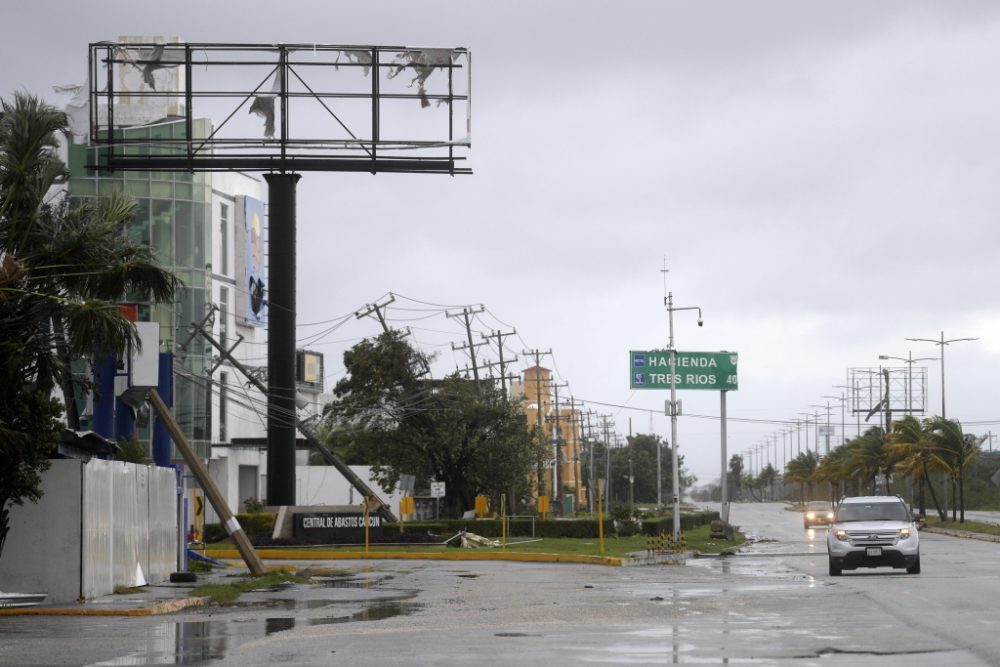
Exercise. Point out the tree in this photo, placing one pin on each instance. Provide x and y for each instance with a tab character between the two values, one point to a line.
62	272
457	431
735	475
911	446
642	448
868	458
768	476
801	470
953	450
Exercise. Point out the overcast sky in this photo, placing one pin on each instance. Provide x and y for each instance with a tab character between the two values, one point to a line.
820	178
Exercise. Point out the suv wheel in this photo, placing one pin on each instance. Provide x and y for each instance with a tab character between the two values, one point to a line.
915	568
835	570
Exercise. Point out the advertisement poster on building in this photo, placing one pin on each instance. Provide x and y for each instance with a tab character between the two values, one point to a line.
256	292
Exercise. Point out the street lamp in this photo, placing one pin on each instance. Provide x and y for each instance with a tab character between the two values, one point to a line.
909	361
843	423
807	416
847	400
668	301
942	342
827	408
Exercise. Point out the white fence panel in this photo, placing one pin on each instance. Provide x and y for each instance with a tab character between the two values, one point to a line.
162	523
98	529
129	526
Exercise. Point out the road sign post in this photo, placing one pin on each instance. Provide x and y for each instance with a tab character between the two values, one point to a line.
672	370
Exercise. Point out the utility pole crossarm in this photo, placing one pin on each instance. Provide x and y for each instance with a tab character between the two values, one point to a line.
376	308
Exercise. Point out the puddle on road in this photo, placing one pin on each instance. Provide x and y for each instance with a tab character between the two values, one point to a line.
201	642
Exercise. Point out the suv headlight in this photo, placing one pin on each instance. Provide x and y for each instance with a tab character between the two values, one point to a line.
841	535
904	533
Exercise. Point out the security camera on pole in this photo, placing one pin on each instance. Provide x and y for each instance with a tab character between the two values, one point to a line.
658	369
668	301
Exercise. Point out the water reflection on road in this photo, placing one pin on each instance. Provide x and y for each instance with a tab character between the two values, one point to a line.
201	642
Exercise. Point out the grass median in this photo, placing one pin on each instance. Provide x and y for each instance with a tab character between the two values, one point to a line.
698	539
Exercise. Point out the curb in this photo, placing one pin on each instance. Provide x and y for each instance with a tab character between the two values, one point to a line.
292	554
164	607
966	534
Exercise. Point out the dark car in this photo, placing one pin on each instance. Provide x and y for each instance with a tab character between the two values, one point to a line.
817	513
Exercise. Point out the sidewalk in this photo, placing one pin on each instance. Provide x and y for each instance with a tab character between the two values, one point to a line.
160	598
167	597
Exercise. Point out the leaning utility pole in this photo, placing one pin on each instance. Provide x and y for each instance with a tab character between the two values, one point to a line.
215	497
377	309
303	426
466	314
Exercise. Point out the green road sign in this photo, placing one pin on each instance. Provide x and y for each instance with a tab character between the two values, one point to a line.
695	370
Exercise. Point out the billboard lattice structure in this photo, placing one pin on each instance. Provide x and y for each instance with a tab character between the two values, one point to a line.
286	107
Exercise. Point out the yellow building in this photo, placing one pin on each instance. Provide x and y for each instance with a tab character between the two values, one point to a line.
561	424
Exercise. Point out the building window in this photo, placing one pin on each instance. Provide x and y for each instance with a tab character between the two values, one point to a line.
224	315
224	239
223	396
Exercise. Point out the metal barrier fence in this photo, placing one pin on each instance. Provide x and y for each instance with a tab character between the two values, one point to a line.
129	525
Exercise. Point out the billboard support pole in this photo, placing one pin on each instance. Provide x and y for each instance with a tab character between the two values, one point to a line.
281	340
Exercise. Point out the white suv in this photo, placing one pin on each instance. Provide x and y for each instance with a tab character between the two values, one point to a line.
873	531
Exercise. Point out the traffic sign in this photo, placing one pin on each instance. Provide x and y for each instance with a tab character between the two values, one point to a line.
695	370
437	490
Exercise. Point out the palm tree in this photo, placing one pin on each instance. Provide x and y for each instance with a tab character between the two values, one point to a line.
735	475
801	470
911	447
63	271
835	471
953	450
868	458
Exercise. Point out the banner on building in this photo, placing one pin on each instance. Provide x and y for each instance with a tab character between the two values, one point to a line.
251	249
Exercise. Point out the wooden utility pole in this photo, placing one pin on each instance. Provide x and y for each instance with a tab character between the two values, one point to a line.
207	484
328	456
376	308
557	440
500	335
467	314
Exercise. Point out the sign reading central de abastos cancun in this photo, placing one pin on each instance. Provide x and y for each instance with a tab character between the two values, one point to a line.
695	370
335	527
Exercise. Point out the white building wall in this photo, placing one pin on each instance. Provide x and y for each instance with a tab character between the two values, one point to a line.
324	485
246	406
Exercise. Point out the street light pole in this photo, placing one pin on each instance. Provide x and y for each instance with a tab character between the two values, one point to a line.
827	408
942	342
669	303
843	425
807	416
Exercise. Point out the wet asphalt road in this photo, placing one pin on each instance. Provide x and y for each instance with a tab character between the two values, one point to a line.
772	605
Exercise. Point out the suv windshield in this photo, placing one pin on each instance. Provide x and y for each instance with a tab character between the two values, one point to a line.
891	511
